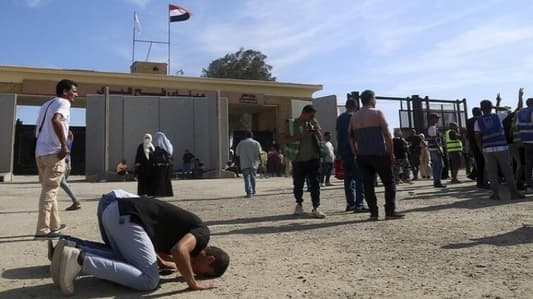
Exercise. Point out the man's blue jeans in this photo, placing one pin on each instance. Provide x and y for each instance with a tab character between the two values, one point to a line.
249	180
353	184
436	165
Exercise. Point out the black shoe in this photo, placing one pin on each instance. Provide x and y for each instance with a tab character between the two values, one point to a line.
394	216
57	230
439	186
483	186
361	210
349	208
373	218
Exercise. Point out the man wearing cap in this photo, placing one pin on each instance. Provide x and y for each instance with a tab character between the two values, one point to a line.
490	137
304	150
455	147
435	150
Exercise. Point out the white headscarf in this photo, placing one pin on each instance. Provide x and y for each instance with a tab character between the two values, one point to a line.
161	140
147	145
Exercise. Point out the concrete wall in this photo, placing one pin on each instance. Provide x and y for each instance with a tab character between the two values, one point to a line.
326	113
8	103
224	132
189	123
94	135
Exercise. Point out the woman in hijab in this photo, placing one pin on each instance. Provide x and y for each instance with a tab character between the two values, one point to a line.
162	165
425	168
144	166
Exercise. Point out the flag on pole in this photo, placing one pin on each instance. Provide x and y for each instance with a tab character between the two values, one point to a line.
178	14
136	22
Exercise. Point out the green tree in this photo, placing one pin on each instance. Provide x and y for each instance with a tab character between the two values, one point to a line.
243	64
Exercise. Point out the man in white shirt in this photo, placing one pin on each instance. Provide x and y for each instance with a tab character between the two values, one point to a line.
249	151
327	161
51	148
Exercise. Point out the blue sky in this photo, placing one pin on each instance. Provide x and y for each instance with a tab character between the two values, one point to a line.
445	49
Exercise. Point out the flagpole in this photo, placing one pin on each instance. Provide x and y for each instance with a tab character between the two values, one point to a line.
168	19
133	52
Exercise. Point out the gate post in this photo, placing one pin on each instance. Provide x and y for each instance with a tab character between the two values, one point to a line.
418	113
8	107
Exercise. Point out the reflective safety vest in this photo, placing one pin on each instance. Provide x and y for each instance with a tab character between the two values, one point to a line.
491	131
432	146
525	124
453	145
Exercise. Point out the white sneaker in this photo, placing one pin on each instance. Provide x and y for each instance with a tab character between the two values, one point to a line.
56	257
298	210
68	269
317	214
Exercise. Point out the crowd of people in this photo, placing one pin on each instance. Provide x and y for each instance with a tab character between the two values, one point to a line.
143	236
493	148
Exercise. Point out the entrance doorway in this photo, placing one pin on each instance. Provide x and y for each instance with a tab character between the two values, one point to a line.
24	150
260	120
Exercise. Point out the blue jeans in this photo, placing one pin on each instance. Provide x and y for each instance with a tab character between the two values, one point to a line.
92	247
64	185
353	184
436	165
187	167
134	264
106	199
249	180
325	172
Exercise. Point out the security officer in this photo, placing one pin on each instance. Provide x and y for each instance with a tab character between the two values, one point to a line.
455	148
490	137
525	124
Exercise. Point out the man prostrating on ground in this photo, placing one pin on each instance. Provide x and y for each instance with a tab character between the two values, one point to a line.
141	235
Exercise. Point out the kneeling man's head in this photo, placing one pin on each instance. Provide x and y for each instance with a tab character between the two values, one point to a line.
211	262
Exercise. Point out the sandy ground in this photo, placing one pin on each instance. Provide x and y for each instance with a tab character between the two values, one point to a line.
454	243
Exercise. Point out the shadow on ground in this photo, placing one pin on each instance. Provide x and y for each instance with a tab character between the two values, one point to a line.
251	220
290	227
18	212
523	235
35	272
85	287
472	204
17	238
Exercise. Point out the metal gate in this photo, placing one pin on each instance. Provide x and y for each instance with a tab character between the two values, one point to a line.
414	111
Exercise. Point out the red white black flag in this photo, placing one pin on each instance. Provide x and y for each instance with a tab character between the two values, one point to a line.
178	14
